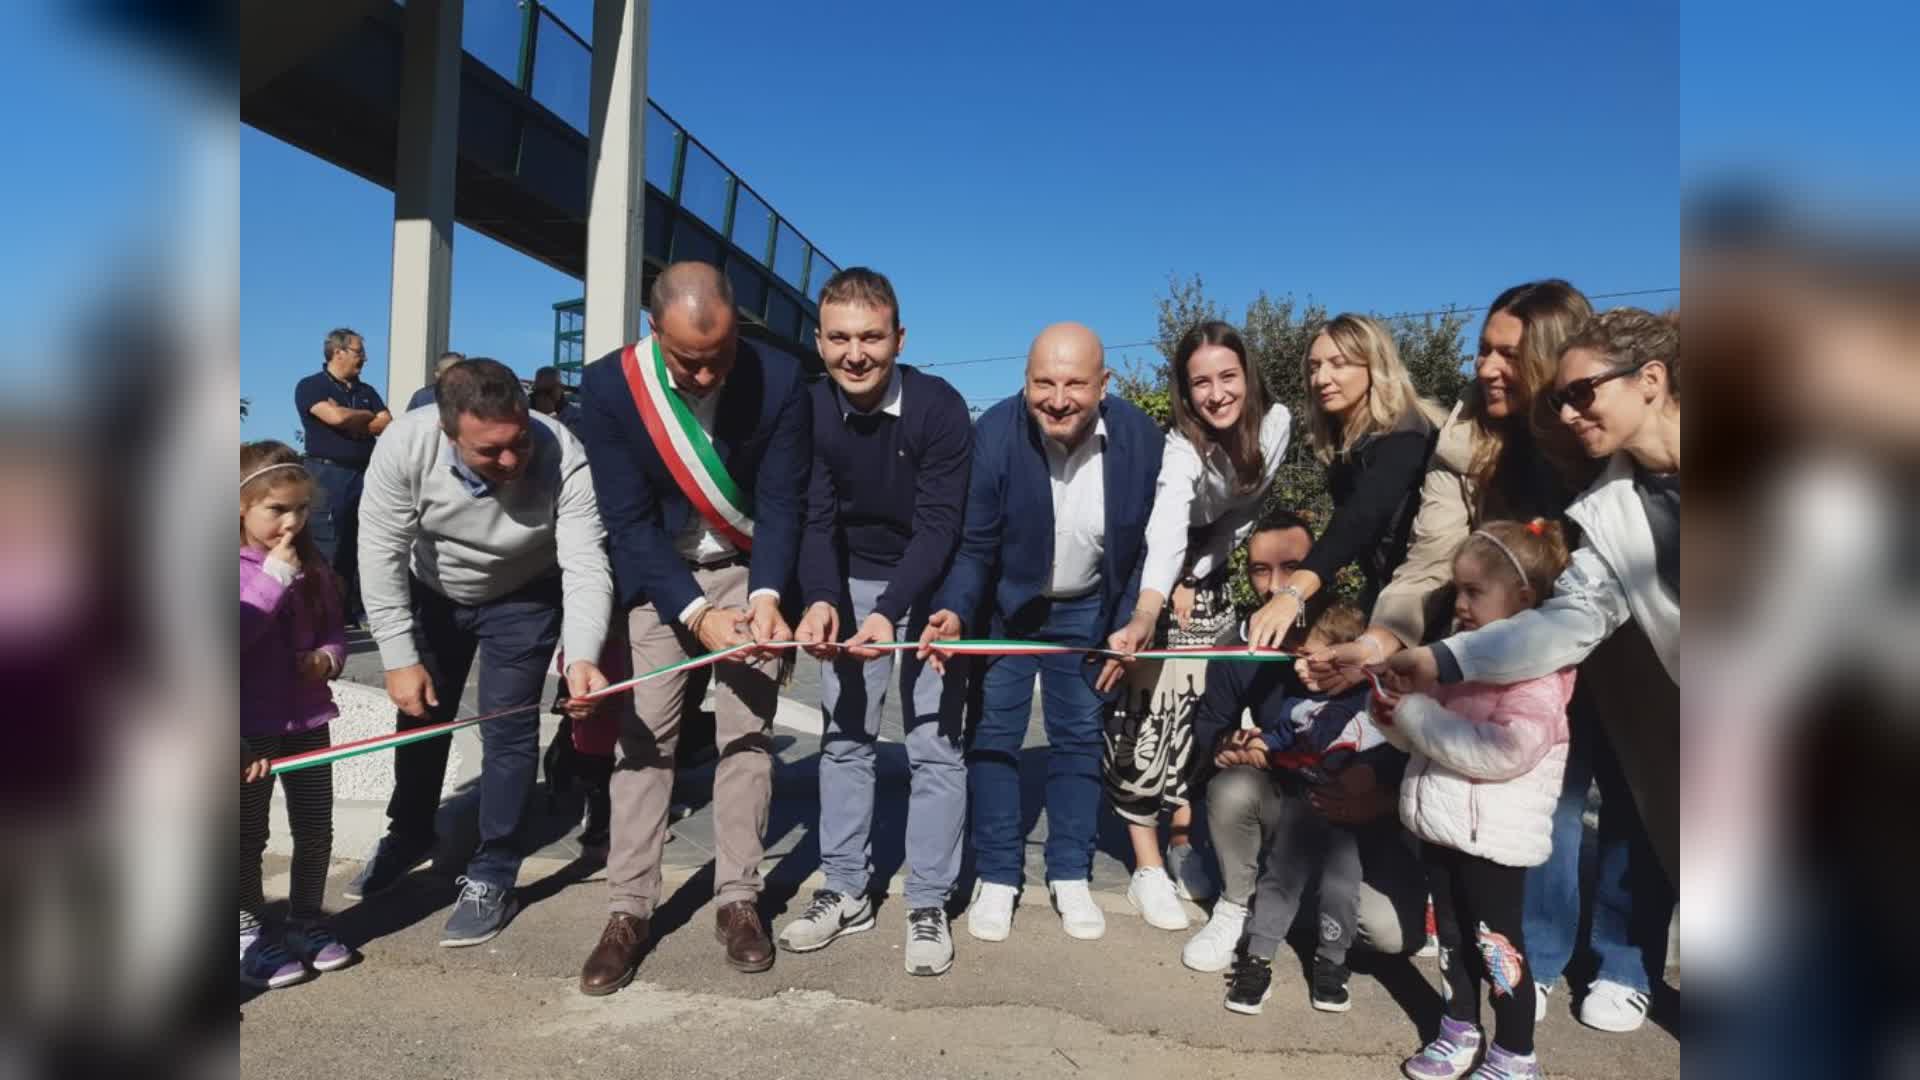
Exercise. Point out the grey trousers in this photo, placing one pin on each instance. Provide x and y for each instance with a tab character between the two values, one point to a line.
1369	880
852	693
745	697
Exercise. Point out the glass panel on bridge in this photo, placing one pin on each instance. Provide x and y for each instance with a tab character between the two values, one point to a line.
790	256
703	186
562	72
659	148
751	218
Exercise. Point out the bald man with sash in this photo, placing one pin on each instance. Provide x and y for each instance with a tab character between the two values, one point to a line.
700	449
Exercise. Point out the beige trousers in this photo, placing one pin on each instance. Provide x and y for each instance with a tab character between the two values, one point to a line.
745	698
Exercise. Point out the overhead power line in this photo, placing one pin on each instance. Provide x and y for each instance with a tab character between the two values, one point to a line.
1400	315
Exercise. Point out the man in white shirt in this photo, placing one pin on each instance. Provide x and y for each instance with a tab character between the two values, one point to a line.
1062	485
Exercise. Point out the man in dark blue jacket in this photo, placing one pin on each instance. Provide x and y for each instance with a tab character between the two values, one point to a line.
699	448
1063	481
890	451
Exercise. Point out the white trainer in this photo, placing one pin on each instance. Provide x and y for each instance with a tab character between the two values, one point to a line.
1188	869
1212	948
1151	894
1079	916
1610	1006
990	915
1540	992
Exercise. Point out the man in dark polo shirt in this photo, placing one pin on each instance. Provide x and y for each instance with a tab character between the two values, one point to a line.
341	417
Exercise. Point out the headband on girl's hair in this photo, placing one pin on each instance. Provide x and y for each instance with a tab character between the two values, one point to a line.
249	478
1507	551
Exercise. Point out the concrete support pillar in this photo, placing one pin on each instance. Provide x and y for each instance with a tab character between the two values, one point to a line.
616	176
429	134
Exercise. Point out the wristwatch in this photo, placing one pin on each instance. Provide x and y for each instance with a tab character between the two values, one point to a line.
1190	581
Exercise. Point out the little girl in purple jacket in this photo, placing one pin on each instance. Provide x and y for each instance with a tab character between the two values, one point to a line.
292	643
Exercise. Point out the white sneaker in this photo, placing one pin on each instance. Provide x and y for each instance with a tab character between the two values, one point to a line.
1078	914
1151	894
990	915
1610	1006
1188	869
1540	992
1212	948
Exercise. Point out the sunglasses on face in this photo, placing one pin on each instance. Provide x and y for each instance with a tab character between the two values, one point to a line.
1579	393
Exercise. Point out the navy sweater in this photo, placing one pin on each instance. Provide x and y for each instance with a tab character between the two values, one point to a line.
887	494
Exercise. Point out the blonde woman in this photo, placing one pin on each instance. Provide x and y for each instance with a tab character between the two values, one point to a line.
1228	439
1373	431
1491	460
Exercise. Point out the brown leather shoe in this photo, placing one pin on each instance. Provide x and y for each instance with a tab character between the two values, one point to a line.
738	927
611	964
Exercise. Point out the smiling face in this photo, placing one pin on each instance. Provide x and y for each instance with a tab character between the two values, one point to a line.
1485	589
1498	367
1619	406
859	344
497	450
1272	557
279	513
1338	383
1216	386
1066	378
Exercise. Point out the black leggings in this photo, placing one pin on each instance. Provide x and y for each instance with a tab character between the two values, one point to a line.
309	815
1478	900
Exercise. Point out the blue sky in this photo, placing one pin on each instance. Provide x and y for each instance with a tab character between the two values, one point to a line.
1011	165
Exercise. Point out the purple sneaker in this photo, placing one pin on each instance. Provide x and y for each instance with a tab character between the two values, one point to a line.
315	944
1502	1064
269	966
1449	1056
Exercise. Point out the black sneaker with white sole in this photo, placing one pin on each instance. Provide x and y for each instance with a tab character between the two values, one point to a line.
828	916
1250	984
1330	986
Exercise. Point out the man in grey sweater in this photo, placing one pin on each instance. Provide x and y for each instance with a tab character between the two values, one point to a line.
478	529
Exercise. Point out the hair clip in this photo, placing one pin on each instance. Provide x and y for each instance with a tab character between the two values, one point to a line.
1538	526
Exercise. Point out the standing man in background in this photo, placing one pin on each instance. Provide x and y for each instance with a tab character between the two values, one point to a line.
340	416
425	395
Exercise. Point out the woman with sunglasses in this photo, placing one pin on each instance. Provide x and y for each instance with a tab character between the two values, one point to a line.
1616	392
1504	454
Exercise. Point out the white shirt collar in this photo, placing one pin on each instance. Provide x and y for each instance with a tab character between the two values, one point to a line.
889	401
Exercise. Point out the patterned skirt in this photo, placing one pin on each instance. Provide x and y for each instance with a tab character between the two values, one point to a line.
1147	763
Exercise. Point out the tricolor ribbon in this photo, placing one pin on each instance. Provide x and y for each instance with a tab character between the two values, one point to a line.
966	647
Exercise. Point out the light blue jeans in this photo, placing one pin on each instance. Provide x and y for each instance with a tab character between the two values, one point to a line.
852	693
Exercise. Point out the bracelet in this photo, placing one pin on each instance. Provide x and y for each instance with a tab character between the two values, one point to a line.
698	618
1299	600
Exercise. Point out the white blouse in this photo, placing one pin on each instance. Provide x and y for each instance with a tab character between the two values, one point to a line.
1197	494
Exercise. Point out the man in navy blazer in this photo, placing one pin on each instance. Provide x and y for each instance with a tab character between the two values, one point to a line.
1057	504
700	448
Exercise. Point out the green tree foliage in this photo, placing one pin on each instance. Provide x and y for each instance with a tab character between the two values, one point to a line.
1278	332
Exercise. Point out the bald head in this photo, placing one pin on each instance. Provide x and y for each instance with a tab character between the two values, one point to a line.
1066	378
696	289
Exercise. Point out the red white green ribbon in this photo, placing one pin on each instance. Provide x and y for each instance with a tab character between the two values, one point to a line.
685	448
965	647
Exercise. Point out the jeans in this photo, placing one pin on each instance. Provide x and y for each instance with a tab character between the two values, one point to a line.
335	522
515	636
852	694
1075	736
1632	900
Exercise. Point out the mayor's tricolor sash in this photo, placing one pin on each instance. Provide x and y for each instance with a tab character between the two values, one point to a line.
686	449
